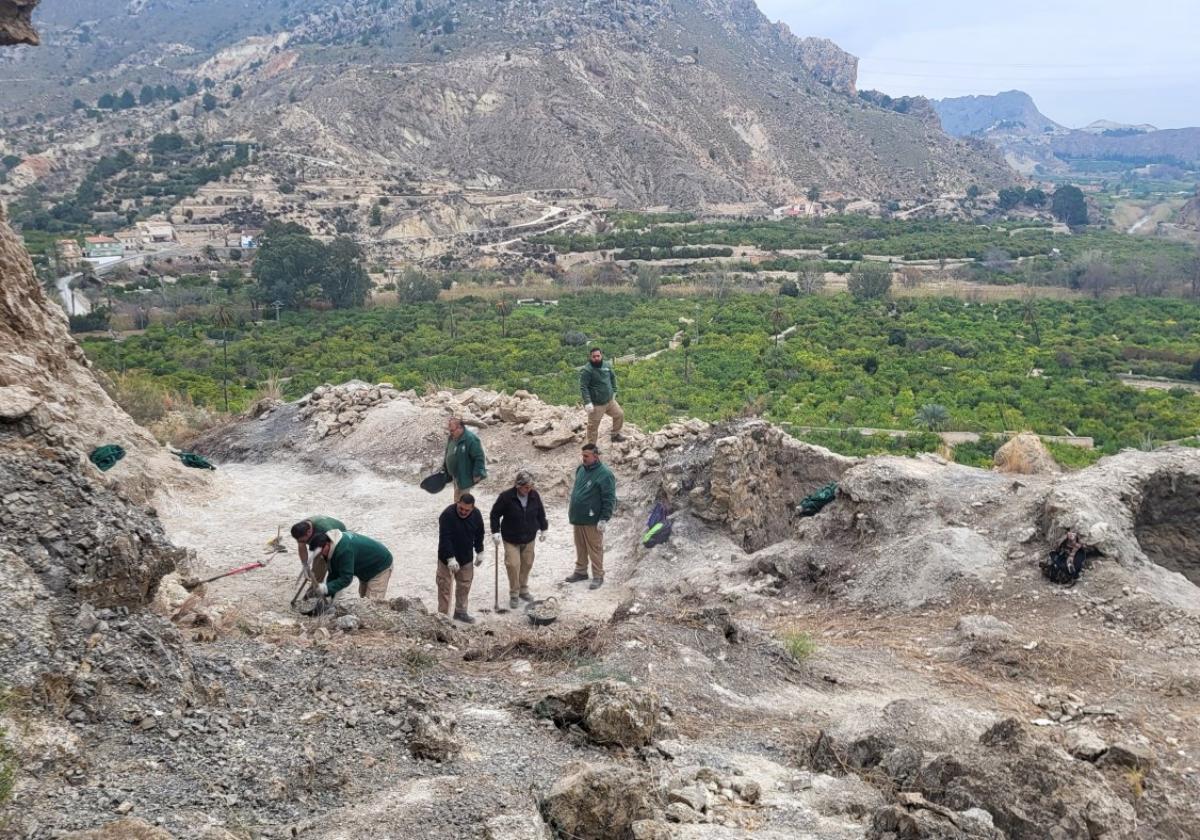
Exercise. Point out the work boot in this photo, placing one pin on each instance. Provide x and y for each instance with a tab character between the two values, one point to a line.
513	602
575	577
617	437
596	583
525	596
463	617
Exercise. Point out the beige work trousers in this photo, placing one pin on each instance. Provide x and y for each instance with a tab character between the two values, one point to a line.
459	581
518	562
589	547
613	409
375	589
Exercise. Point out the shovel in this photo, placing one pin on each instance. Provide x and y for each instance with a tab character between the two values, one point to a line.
496	588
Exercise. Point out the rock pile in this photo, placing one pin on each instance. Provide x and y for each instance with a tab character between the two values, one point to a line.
337	409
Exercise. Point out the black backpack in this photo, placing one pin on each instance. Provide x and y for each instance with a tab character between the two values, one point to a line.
1064	566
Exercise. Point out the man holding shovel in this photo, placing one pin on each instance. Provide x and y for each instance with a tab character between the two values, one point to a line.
517	517
465	462
305	530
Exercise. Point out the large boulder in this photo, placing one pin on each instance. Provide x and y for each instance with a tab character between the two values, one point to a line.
598	803
612	713
620	714
1025	454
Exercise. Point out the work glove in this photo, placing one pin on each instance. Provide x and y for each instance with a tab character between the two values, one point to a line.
478	559
318	591
496	538
601	525
453	567
589	408
542	537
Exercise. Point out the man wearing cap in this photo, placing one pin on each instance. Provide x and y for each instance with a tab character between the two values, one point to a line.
593	499
517	517
465	462
305	530
460	531
350	555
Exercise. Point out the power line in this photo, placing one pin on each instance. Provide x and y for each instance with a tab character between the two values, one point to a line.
1117	78
1037	66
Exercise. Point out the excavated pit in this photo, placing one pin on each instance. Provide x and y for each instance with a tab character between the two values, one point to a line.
1167	525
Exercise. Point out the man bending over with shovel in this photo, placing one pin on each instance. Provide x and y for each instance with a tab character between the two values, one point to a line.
350	555
305	530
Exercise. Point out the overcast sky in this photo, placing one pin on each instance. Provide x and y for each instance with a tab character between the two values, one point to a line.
1133	62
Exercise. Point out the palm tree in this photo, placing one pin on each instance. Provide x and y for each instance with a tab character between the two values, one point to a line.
503	307
932	416
777	319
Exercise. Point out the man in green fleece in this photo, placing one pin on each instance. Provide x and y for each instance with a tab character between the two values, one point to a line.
598	387
350	556
305	530
465	462
593	499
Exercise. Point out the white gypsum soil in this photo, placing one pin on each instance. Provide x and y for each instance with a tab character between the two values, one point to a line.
229	520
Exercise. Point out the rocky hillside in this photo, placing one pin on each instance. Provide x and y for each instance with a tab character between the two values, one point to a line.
679	102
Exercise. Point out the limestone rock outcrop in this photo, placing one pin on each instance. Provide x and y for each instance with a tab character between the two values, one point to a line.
16	26
47	386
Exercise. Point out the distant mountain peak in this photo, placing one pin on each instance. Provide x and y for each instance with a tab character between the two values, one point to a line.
1010	112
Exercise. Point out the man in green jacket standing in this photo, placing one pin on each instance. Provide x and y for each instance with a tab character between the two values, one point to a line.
593	499
465	462
598	388
350	556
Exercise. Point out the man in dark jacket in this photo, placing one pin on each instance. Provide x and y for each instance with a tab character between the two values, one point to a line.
598	388
350	556
465	462
517	517
593	499
460	531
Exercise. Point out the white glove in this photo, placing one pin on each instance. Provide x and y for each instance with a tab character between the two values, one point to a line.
496	538
542	537
479	559
589	408
453	566
601	525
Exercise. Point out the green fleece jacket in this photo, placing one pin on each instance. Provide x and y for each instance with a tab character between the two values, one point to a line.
597	385
354	556
324	524
465	460
594	495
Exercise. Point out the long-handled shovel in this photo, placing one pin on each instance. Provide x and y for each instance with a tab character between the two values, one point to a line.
496	588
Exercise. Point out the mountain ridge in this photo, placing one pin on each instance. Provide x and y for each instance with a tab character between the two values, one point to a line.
665	102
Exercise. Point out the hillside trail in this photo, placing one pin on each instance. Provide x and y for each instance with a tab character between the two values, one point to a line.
229	520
